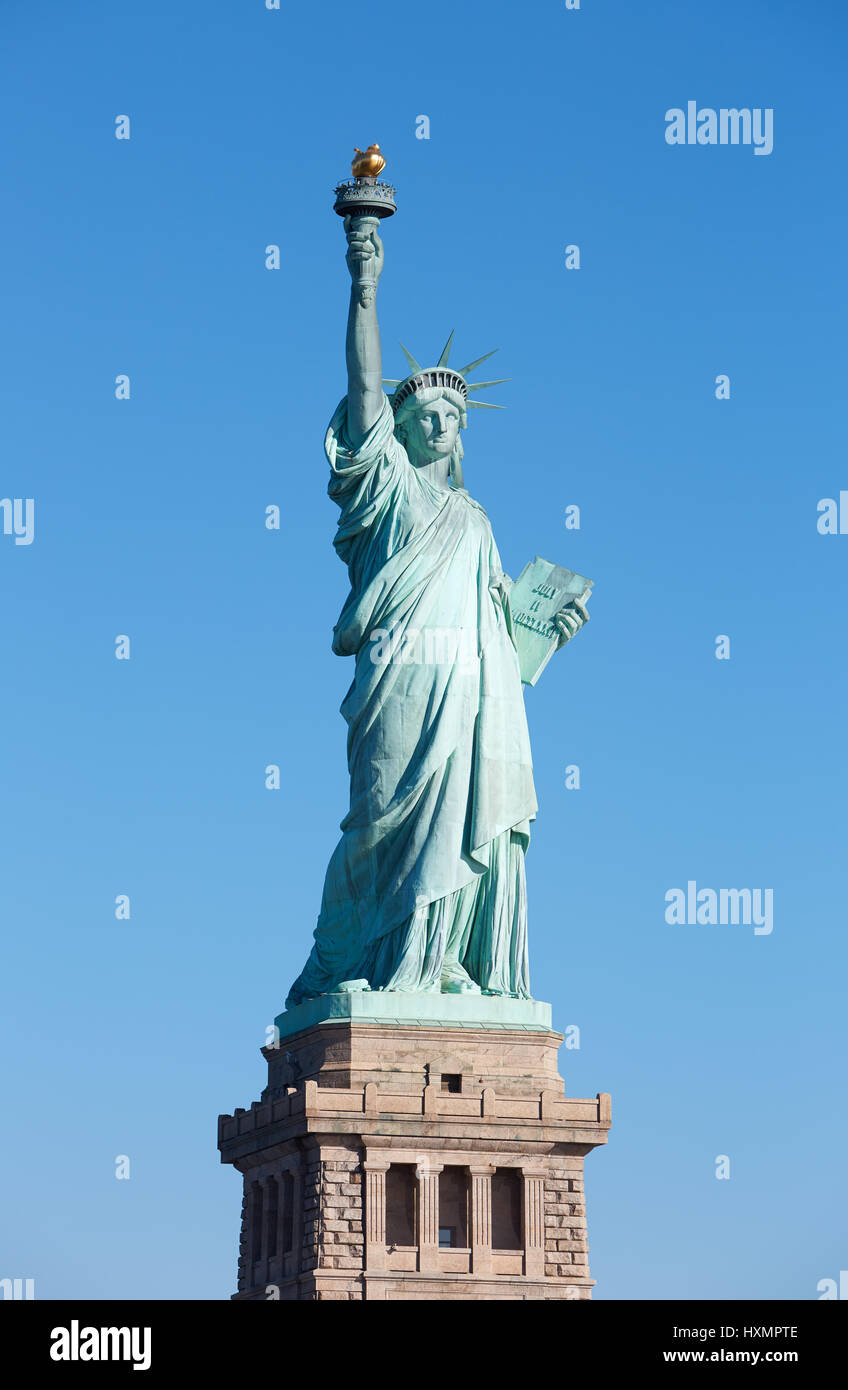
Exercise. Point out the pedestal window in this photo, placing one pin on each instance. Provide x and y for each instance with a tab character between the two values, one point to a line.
401	1205
507	1233
453	1209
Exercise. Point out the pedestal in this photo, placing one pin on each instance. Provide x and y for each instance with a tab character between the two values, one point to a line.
395	1159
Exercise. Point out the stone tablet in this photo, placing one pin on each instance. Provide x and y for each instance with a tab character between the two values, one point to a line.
537	595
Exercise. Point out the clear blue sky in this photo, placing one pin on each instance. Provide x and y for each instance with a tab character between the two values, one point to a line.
698	518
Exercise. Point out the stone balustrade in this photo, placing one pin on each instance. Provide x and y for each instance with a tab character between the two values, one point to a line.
430	1103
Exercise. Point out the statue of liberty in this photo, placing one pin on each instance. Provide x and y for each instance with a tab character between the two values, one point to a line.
425	890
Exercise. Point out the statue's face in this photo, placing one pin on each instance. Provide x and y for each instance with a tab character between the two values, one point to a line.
432	430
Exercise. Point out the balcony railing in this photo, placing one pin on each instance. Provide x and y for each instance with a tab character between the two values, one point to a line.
314	1101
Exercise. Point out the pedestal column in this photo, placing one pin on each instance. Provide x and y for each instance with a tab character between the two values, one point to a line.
534	1221
428	1216
481	1218
375	1213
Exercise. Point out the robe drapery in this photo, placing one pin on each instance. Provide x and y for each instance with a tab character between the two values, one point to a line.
426	886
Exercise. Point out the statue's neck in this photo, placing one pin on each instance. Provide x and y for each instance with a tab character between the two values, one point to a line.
436	471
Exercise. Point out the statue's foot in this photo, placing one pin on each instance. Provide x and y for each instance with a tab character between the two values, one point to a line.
352	987
398	989
456	980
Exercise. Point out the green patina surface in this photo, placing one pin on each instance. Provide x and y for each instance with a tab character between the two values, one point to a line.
428	1010
424	910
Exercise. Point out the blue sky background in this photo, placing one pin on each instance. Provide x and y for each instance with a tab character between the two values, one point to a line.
698	518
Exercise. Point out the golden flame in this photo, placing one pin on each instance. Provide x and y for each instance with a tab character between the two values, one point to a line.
367	163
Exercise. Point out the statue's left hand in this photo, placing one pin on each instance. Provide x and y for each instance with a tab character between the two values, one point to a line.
570	619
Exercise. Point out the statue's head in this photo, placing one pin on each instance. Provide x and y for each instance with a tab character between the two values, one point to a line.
430	408
428	422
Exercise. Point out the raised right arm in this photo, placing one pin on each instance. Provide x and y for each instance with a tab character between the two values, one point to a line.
364	356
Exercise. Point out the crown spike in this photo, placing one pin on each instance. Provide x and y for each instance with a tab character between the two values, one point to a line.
442	376
463	371
481	385
416	366
443	360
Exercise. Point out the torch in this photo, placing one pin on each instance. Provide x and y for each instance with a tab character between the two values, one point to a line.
365	201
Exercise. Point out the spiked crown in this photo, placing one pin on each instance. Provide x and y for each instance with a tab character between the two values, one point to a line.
442	376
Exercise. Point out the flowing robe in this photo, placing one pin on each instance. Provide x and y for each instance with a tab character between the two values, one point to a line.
426	885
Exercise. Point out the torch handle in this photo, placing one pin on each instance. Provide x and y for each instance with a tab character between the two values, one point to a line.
362	271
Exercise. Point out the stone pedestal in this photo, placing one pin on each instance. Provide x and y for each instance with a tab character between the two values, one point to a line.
392	1159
